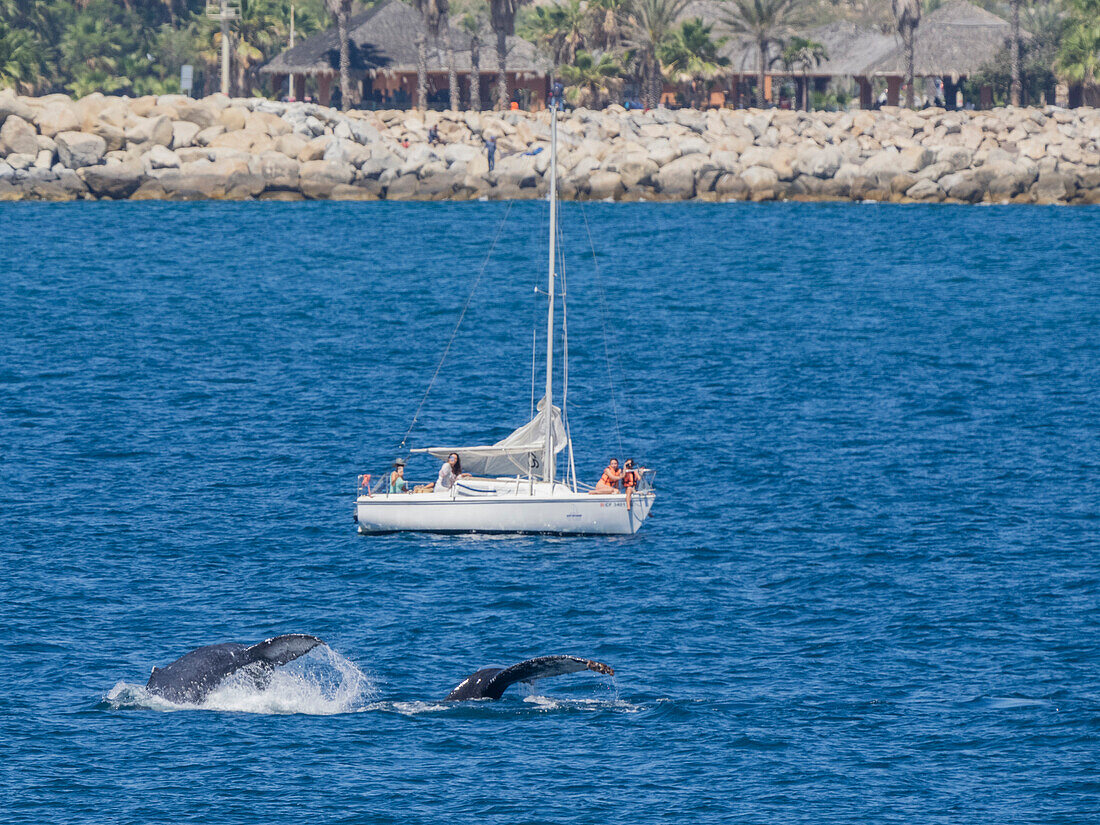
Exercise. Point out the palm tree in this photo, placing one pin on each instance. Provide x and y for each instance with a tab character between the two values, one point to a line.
691	57
472	21
449	47
558	28
502	17
606	23
1079	53
907	18
1016	87
766	22
432	14
802	53
593	77
20	59
342	10
648	23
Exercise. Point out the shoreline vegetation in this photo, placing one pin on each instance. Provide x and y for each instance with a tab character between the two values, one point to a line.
173	147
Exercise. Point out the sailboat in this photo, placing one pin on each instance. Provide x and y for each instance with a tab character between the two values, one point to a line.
513	485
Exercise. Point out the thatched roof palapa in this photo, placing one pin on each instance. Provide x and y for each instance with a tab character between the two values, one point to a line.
383	40
954	41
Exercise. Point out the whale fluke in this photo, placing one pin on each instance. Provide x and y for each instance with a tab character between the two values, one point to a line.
283	649
194	675
491	682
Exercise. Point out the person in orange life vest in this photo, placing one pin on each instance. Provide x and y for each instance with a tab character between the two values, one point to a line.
609	481
630	480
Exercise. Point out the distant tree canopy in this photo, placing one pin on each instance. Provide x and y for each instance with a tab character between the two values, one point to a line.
137	47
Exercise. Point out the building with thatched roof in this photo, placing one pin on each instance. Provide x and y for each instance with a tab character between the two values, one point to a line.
953	42
383	51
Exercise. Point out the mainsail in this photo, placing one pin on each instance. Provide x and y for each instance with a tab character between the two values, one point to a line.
519	453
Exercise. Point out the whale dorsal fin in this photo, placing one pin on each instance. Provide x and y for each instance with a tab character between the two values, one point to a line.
542	667
282	649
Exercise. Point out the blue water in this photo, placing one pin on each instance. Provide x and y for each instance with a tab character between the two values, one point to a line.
869	592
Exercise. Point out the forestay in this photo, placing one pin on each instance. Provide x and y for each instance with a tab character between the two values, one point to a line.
521	452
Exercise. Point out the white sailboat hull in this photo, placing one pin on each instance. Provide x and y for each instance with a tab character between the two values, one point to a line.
494	510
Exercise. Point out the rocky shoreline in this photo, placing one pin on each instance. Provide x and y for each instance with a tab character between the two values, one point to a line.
175	148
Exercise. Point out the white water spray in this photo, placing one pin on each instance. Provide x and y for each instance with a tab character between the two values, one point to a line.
320	683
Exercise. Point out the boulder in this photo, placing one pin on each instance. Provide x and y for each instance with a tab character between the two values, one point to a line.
183	133
315	149
57	117
117	181
79	149
637	170
229	178
762	182
279	171
958	157
731	187
438	183
112	134
10	104
924	190
290	145
150	131
961	186
403	188
243	141
677	179
20	160
206	135
915	158
232	118
460	152
196	113
161	157
823	163
316	178
1053	187
603	185
17	136
270	124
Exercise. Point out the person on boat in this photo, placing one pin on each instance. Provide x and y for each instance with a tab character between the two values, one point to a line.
610	480
397	477
449	472
630	480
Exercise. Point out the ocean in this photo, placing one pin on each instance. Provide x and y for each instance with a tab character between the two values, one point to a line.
868	592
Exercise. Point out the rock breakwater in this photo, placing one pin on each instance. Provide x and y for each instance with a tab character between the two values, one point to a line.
174	147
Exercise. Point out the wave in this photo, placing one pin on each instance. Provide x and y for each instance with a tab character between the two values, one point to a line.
321	683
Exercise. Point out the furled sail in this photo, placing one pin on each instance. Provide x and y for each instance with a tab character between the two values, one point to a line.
518	454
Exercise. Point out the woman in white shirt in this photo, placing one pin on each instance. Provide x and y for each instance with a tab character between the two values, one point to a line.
451	470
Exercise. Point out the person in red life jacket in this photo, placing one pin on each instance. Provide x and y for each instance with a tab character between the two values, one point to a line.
609	481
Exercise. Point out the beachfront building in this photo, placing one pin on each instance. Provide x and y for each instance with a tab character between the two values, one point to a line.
383	47
951	44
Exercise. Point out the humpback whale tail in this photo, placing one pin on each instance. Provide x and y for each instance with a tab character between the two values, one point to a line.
491	682
283	649
191	677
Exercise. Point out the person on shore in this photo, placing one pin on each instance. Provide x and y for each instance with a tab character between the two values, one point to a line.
450	472
397	477
433	136
491	150
610	480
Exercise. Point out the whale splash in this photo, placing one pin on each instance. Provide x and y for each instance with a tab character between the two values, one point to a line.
321	683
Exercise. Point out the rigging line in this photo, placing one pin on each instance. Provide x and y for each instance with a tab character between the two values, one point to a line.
603	328
454	332
565	360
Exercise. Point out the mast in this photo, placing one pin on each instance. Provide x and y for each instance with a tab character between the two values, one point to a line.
548	455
